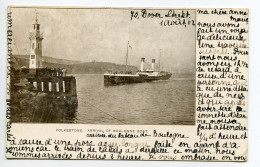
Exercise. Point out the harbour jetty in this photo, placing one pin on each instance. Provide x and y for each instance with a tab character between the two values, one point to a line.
40	93
53	82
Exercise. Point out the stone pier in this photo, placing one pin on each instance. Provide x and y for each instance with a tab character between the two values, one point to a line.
55	85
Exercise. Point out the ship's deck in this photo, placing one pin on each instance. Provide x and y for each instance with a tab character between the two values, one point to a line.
121	75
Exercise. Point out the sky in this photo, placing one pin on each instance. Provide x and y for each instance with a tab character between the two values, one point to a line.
102	35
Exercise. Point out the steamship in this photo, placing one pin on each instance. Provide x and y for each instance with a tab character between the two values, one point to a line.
142	75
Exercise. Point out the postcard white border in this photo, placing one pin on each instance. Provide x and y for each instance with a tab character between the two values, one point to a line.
254	59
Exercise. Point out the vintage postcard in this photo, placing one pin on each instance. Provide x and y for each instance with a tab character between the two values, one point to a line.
127	83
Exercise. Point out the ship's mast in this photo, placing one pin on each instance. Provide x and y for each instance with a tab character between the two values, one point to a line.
160	61
126	56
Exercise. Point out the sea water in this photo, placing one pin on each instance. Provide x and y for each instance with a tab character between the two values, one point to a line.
169	102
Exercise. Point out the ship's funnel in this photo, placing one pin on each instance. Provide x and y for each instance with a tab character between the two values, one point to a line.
142	64
153	64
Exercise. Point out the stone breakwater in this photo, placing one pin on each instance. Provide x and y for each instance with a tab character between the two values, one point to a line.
30	105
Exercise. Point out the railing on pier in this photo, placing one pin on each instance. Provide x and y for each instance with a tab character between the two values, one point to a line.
53	72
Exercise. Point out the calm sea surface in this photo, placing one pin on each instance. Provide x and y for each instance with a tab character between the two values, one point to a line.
160	102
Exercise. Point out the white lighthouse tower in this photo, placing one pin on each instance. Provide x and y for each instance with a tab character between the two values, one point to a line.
36	38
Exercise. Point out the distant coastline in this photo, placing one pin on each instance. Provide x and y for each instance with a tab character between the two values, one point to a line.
79	67
73	67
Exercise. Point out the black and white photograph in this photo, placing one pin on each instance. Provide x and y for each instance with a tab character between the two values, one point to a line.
115	66
129	83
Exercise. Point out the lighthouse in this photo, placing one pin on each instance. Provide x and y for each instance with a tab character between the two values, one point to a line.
36	38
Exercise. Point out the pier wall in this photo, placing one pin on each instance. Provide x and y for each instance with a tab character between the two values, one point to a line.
60	87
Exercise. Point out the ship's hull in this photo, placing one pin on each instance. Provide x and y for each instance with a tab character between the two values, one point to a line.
116	79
